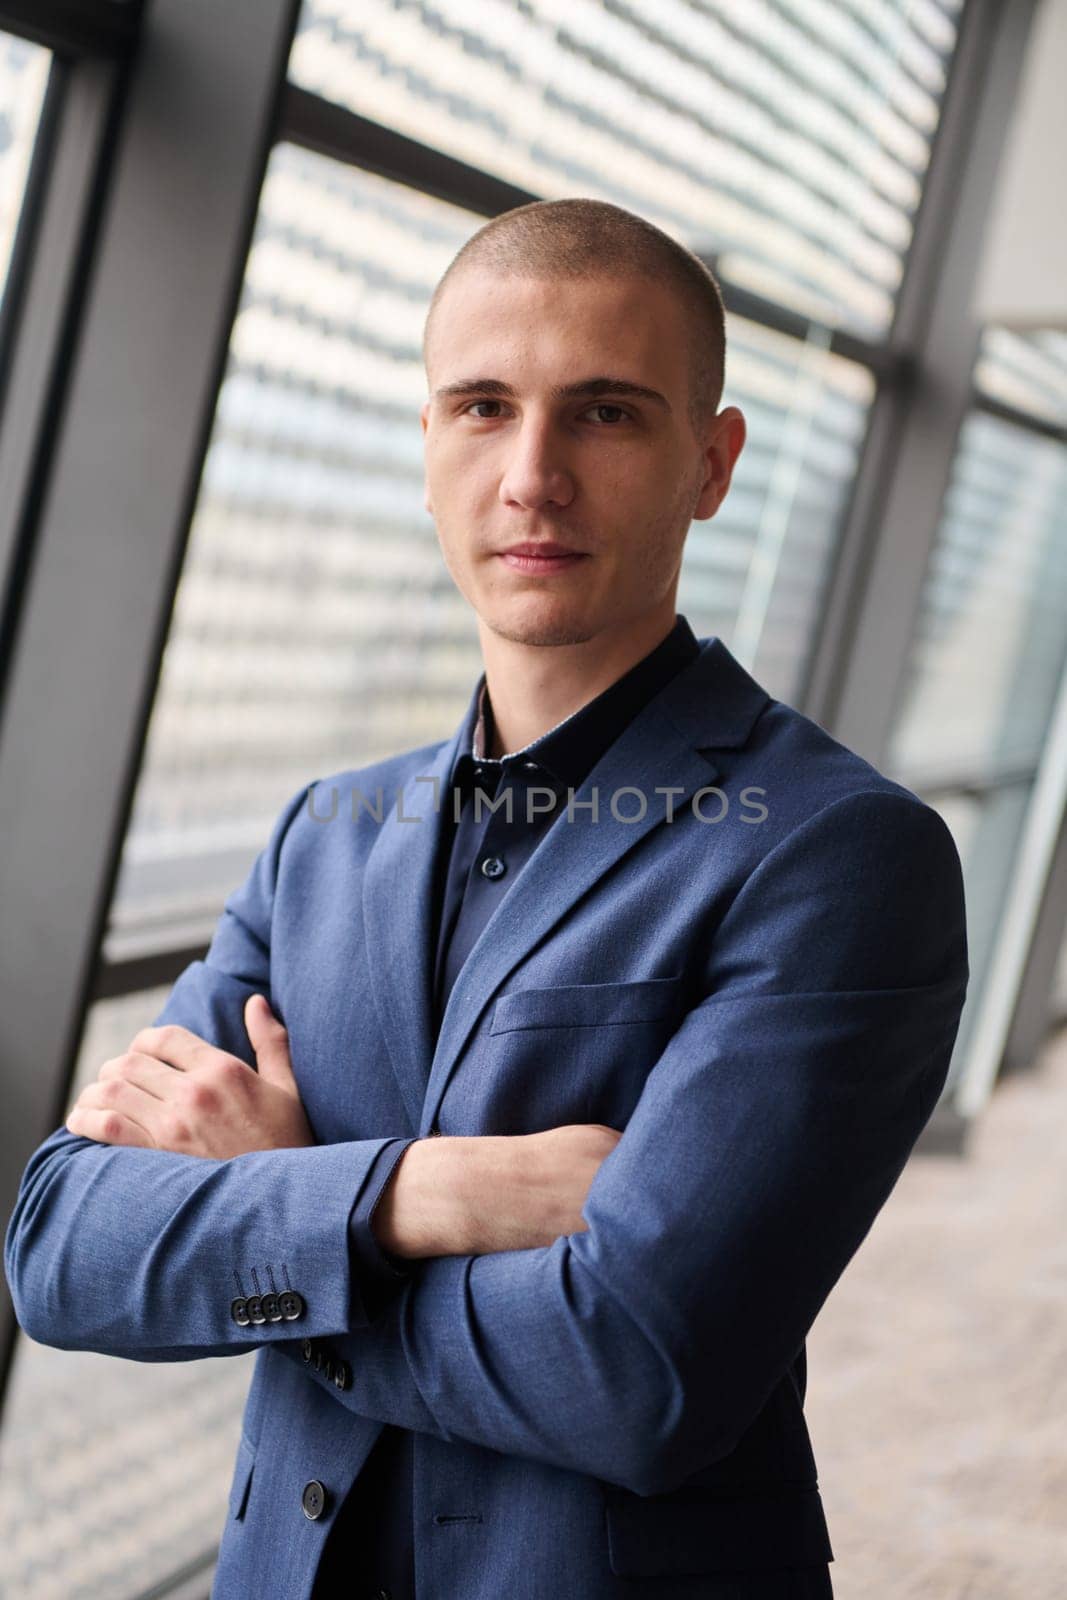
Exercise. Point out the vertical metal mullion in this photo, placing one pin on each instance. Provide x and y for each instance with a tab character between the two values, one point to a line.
858	662
197	126
1035	870
1033	1012
12	290
41	314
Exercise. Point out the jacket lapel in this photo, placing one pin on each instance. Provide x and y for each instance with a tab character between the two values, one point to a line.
397	895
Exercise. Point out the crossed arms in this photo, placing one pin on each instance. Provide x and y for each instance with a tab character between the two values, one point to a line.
639	1348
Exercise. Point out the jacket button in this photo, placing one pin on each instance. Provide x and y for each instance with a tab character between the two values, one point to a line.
291	1305
327	1369
271	1309
254	1305
306	1350
313	1500
493	867
342	1375
239	1312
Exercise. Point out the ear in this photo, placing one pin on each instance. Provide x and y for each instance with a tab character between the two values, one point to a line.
724	443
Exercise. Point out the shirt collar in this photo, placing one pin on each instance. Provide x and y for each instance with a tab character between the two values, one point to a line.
567	752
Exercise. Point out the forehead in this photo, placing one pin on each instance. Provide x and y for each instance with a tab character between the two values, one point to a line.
532	328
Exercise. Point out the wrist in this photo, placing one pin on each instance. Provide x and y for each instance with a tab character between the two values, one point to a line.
422	1211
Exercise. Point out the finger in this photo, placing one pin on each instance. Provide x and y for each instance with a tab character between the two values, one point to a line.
130	1101
177	1047
269	1038
107	1127
155	1077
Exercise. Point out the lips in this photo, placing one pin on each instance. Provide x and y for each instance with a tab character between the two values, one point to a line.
540	559
540	548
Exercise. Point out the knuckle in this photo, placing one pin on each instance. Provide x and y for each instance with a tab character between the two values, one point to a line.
201	1096
111	1126
233	1074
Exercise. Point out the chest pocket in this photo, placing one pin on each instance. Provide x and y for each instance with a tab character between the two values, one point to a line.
588	1005
576	1052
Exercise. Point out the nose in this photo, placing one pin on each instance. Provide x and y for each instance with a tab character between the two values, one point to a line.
536	473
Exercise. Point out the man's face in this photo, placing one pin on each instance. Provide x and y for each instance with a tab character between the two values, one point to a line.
614	475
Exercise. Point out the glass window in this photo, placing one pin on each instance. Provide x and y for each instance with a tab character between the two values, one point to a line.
755	573
113	1473
1025	370
23	76
316	626
789	138
986	661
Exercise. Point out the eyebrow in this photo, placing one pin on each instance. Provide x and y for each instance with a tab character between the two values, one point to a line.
583	388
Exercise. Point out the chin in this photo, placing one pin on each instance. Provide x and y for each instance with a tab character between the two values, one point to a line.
539	621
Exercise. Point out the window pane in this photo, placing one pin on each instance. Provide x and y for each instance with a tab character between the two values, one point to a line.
23	75
985	663
789	138
989	645
113	1473
756	572
1025	370
316	626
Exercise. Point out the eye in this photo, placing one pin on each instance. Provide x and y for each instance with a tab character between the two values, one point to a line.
474	403
607	405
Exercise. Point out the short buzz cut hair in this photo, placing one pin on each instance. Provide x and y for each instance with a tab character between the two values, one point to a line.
580	238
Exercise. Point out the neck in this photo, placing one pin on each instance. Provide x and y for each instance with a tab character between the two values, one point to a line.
532	687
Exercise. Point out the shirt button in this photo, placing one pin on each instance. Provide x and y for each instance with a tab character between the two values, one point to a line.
313	1500
493	867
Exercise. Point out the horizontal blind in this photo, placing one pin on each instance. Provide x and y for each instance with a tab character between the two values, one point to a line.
991	634
1025	370
789	138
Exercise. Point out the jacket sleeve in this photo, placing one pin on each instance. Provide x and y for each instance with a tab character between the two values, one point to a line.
143	1253
768	1135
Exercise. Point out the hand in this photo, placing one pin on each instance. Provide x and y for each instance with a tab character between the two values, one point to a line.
471	1196
174	1091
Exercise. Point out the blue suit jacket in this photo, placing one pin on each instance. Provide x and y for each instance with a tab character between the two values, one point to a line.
766	1004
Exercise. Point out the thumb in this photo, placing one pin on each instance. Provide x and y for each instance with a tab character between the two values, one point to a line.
269	1038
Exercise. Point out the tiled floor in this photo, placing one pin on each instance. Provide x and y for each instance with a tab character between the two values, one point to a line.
937	1396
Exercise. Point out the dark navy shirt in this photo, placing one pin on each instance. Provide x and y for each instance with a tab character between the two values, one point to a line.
370	1552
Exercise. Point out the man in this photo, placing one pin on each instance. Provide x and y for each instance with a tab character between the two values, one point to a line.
676	975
